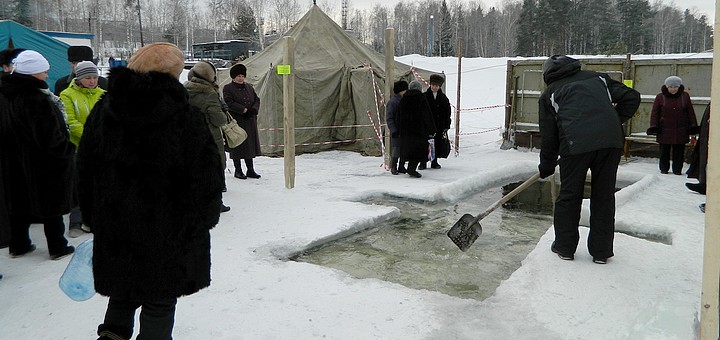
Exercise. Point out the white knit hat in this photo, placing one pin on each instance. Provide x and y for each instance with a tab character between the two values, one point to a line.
30	62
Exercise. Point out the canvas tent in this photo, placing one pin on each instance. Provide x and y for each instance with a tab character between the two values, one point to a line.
337	81
14	35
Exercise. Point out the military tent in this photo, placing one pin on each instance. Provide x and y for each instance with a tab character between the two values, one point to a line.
14	35
338	80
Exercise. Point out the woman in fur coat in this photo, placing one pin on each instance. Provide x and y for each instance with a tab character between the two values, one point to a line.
150	186
416	127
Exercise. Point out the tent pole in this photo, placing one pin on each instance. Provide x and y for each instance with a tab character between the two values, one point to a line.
711	251
289	112
389	80
457	106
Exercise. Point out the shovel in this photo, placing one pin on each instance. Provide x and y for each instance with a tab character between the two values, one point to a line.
467	229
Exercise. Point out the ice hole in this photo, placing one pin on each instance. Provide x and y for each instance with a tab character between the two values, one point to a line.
414	250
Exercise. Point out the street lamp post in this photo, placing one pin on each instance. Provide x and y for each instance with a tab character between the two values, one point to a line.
430	28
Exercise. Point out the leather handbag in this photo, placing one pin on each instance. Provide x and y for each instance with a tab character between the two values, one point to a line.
232	132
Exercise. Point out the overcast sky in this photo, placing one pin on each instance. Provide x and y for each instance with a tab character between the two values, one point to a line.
706	7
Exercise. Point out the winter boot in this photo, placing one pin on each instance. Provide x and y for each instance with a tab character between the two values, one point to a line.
401	167
238	170
251	170
435	164
394	165
422	166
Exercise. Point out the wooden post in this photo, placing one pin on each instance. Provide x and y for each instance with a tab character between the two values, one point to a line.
389	80
711	251
289	112
457	107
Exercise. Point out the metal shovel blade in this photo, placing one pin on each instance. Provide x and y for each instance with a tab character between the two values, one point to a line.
465	231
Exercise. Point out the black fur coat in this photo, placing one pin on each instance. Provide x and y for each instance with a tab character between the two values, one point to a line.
150	188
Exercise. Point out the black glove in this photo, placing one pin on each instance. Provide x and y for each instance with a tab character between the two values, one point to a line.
694	130
653	130
545	171
395	134
251	112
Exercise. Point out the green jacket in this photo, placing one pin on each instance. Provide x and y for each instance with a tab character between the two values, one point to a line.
204	95
78	102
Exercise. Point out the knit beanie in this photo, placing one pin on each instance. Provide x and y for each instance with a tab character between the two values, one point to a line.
400	86
86	69
673	81
160	57
436	79
30	62
238	69
415	85
79	53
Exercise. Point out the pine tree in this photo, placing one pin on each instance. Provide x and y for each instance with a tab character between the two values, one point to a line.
22	12
446	45
526	33
244	26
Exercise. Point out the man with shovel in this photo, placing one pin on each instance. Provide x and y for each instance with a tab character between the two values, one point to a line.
581	115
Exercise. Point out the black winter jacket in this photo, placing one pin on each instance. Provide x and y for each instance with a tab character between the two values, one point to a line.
576	112
36	156
416	126
150	186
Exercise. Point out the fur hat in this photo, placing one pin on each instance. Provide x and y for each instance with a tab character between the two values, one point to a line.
436	79
673	81
79	53
400	86
30	62
237	70
415	85
158	57
203	70
86	69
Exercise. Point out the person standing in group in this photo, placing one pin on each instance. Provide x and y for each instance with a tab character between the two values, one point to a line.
699	155
79	99
416	127
77	54
671	119
243	104
397	165
150	188
6	58
581	115
36	157
440	107
203	91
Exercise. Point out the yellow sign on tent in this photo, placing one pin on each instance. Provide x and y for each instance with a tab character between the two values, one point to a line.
283	69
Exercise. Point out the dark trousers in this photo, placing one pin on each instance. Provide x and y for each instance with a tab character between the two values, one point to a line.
573	169
156	318
678	157
20	233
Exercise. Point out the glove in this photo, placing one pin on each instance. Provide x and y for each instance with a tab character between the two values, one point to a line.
251	112
653	130
395	134
694	130
545	171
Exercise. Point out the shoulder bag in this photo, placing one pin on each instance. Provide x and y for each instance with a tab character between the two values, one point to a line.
232	132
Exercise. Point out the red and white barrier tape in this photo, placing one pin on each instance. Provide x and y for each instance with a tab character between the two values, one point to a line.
322	143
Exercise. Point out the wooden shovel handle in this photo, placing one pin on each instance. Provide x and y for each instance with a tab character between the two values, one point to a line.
507	197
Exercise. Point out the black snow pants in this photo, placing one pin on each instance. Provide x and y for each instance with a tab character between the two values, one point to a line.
603	165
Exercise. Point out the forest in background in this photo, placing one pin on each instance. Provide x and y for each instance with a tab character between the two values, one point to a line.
427	27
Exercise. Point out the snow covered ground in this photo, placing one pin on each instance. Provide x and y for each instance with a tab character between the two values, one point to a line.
649	290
